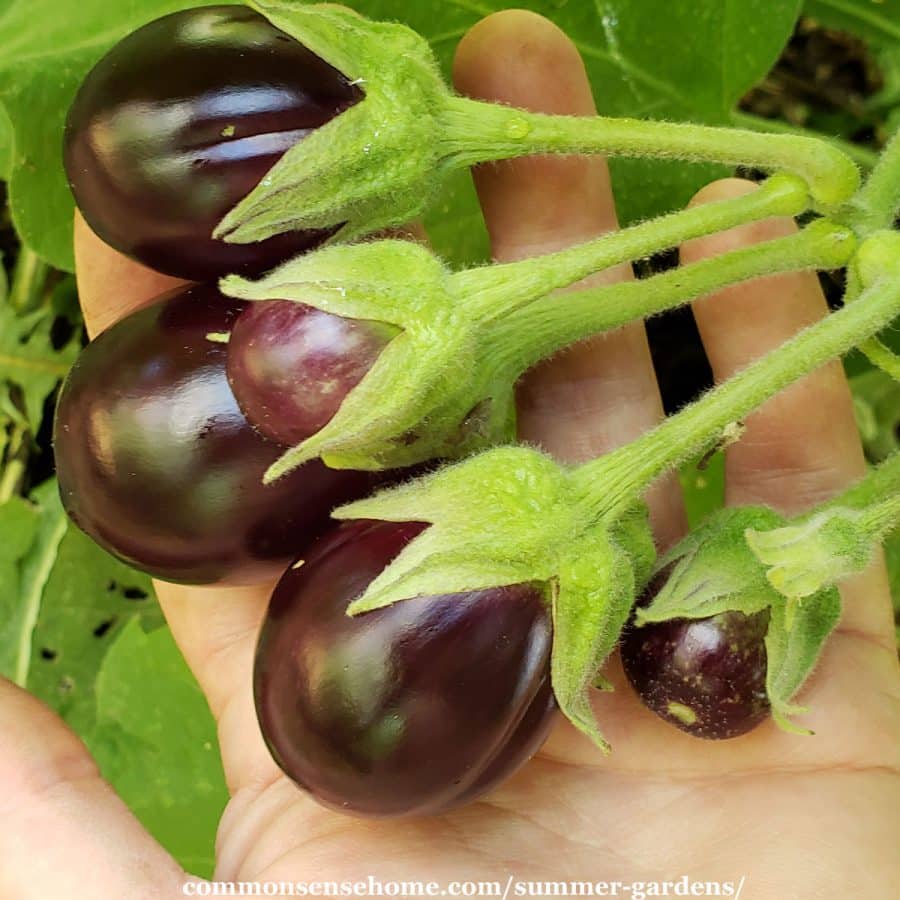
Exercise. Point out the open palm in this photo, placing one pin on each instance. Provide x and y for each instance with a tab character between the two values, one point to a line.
811	817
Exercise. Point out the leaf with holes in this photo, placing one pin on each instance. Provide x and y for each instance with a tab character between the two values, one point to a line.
170	777
74	600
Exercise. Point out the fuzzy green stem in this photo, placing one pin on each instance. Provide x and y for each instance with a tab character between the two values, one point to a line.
13	473
613	482
29	277
862	156
474	132
880	482
14	467
877	204
493	291
552	323
882	357
881	518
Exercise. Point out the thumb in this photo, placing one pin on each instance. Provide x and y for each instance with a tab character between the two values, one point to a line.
63	830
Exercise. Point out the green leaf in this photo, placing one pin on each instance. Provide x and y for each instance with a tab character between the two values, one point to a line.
20	610
715	570
29	360
64	603
6	147
796	635
171	777
75	599
18	523
4	283
592	596
887	99
455	224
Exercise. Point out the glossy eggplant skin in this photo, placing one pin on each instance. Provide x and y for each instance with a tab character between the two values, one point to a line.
704	676
291	366
408	710
157	463
180	121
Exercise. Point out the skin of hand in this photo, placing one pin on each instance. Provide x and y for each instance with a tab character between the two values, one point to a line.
812	817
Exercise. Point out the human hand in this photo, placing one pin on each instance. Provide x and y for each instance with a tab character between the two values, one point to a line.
798	817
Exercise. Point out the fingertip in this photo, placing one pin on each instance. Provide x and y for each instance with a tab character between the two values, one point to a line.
802	445
733	238
535	204
521	58
723	189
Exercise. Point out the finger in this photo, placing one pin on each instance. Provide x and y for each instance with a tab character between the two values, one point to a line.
67	834
802	446
111	285
215	628
603	392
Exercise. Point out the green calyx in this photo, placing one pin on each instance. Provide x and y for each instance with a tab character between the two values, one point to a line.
835	540
371	166
802	559
713	570
380	162
429	394
529	529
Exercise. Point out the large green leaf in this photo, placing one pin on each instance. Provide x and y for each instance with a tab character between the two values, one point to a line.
72	630
650	58
155	742
74	600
